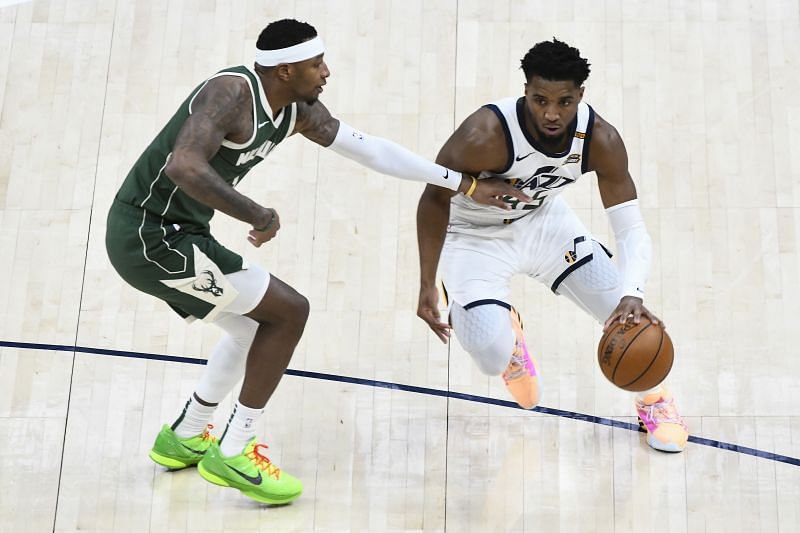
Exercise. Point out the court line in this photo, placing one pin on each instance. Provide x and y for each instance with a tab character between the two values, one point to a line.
412	388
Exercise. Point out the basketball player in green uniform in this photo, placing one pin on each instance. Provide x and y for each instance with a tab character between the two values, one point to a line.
158	239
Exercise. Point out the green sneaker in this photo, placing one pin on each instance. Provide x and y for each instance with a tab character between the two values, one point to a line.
175	453
250	472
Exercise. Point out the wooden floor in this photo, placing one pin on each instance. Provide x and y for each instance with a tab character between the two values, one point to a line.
704	96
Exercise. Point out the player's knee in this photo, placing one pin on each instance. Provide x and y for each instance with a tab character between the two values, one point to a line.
240	331
299	309
491	362
485	333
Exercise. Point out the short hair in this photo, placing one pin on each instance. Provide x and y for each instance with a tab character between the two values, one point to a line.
283	33
555	61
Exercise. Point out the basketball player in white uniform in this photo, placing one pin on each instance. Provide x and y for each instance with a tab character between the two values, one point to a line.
542	142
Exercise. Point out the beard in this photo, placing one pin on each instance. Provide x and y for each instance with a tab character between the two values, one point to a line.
550	140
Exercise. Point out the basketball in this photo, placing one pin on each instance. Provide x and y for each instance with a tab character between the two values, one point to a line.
635	357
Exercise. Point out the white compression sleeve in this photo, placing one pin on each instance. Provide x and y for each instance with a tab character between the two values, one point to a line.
634	247
386	157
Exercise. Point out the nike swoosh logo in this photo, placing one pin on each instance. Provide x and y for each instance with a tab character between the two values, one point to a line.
263	123
192	449
523	157
251	479
446	174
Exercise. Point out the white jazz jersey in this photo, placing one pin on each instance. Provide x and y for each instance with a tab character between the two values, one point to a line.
529	167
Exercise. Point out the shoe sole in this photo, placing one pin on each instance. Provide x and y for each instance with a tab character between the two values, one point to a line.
216	480
653	443
170	462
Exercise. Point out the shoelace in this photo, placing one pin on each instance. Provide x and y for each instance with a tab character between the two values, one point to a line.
518	363
207	435
664	411
263	462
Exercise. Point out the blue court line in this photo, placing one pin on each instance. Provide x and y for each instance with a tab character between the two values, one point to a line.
412	388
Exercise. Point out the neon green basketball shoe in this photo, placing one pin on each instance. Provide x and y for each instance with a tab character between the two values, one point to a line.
251	472
175	453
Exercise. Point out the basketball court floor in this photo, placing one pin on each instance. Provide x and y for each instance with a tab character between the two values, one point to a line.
389	429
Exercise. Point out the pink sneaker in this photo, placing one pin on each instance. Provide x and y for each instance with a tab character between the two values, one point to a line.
666	430
521	376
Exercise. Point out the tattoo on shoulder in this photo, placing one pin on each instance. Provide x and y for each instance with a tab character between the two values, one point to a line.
227	102
222	108
315	123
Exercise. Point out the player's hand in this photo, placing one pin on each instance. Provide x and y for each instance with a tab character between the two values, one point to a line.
428	310
630	308
490	191
257	237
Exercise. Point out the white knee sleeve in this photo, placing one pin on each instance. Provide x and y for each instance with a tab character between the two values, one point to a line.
595	286
485	332
227	363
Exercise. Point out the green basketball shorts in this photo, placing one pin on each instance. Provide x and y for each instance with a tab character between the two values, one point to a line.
184	266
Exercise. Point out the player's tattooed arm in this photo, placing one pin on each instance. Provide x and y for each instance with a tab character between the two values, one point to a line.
315	123
223	109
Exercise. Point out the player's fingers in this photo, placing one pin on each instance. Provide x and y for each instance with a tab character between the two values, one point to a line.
497	202
653	318
516	193
610	320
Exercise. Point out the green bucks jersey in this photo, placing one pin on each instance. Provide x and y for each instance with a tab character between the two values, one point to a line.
148	187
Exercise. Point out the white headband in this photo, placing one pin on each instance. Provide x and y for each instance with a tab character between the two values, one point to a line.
292	54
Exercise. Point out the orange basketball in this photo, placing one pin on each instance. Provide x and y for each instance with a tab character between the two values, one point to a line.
635	357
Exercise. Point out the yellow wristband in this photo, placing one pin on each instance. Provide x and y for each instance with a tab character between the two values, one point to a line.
472	187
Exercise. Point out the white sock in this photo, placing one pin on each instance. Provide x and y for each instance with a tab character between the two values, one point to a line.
194	418
241	428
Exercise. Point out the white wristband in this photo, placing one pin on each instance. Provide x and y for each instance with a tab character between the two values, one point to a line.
386	157
634	247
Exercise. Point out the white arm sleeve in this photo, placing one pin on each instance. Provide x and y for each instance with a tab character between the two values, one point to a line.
634	247
389	158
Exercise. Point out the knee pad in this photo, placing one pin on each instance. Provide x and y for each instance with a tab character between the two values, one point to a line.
240	329
595	286
485	332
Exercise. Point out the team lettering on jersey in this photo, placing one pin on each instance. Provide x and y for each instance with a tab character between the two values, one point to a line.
541	184
262	152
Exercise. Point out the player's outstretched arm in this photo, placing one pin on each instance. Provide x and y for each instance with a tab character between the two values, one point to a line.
222	108
609	159
315	122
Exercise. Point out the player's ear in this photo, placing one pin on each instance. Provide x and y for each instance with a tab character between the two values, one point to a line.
580	92
284	71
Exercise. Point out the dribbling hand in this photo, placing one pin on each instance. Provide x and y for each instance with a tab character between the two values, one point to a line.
630	308
257	237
